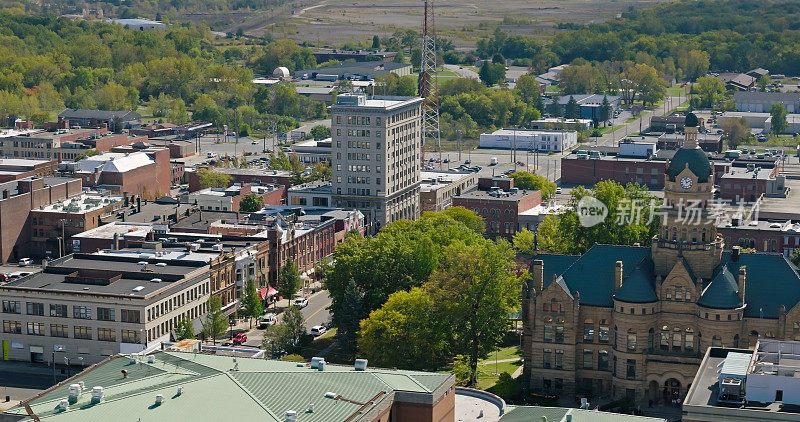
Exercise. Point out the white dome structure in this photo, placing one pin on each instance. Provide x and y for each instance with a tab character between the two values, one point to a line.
281	72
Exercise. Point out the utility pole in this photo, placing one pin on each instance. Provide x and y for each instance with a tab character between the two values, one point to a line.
458	133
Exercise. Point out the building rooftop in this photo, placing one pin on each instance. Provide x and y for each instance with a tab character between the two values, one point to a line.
349	101
528	132
433	180
244	388
312	187
112	274
112	162
107	231
743	173
496	195
79	113
81	204
566	414
21	162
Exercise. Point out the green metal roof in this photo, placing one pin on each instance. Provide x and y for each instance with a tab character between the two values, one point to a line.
259	390
722	292
557	414
592	274
697	160
638	287
771	281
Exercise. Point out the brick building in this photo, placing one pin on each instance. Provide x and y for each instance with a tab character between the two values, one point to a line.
52	226
635	321
438	188
62	142
249	175
18	198
763	236
228	199
499	203
146	173
749	183
18	168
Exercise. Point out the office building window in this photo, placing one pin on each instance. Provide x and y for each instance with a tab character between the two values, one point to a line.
630	372
106	334
82	312
631	340
35	308
547	357
12	307
12	327
131	336
602	334
130	315
588	359
559	359
59	311
36	328
602	360
59	330
559	334
105	314
83	333
588	330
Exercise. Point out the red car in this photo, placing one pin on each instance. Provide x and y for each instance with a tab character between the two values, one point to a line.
240	338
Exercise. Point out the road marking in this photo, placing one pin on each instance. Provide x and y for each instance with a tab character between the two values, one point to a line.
312	315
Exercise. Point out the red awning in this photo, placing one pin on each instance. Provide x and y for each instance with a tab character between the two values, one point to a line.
267	292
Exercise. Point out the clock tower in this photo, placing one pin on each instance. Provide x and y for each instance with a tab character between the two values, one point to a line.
688	231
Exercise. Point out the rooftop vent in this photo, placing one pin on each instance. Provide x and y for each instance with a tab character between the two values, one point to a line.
310	408
138	288
291	416
151	359
63	405
155	280
159	399
331	395
315	361
361	364
161	264
97	394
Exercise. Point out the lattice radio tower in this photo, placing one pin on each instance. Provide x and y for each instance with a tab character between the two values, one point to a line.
428	89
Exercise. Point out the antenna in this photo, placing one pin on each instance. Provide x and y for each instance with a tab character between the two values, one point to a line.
428	88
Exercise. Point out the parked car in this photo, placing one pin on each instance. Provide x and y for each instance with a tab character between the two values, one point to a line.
558	190
240	338
25	262
254	143
266	320
300	302
318	330
467	162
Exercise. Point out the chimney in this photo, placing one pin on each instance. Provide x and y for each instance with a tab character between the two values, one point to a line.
115	246
735	253
617	275
741	281
538	274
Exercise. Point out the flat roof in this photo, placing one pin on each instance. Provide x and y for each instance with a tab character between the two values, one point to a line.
485	195
743	173
53	278
107	231
22	162
81	204
527	132
736	364
241	388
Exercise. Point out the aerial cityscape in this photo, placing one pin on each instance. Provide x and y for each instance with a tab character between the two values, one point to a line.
400	211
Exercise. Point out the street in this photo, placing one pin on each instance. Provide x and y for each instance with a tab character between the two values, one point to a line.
316	313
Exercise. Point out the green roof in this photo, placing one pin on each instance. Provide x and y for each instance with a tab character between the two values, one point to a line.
557	414
695	158
638	286
259	390
772	281
722	292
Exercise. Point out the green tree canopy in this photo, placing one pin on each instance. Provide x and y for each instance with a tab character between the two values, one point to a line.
252	306
285	338
251	203
320	132
529	181
215	323
213	179
709	90
289	281
778	113
184	329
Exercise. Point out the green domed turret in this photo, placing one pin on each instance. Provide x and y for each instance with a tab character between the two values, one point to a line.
697	160
691	121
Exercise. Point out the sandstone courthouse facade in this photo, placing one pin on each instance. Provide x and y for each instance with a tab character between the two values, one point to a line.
635	321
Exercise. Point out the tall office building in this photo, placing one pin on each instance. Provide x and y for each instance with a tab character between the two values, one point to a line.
376	147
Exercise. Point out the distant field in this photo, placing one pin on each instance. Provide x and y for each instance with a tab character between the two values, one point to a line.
334	22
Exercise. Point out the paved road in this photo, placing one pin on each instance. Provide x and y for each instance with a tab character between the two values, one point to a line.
462	72
316	313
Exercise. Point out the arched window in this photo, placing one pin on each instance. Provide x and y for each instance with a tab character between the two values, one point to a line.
631	339
687	295
796	330
650	339
676	339
664	345
688	342
615	336
736	340
603	333
588	330
679	293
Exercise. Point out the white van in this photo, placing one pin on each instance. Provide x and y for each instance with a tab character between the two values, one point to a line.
25	262
211	155
318	330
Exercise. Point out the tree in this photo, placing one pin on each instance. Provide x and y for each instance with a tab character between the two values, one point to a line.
555	106
696	63
286	337
215	323
644	83
289	281
529	181
735	130
416	58
320	132
474	290
244	130
321	171
579	79
350	310
251	301
525	241
778	113
529	91
572	110
629	220
344	86
492	73
251	203
376	42
605	110
213	179
409	323
709	90
763	81
184	329
796	257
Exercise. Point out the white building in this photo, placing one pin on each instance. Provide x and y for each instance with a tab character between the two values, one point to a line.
530	139
375	156
140	24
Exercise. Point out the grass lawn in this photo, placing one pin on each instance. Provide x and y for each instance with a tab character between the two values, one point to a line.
510	352
677	90
447	73
553	88
487	377
610	129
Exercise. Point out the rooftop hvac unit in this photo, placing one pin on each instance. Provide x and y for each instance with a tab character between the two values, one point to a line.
361	364
291	415
97	394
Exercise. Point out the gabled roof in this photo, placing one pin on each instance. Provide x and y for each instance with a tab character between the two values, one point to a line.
772	281
79	113
554	265
638	287
592	274
722	292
